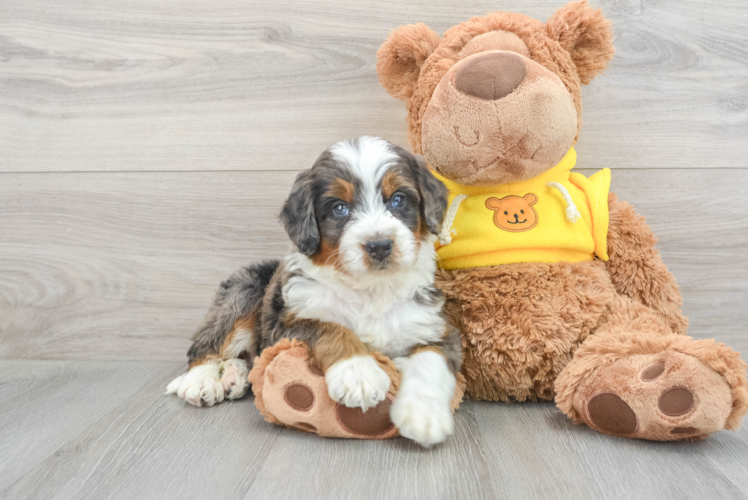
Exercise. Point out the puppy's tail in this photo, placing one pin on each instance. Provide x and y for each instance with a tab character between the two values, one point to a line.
238	297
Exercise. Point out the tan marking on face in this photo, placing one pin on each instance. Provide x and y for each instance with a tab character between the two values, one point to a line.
342	190
327	255
392	181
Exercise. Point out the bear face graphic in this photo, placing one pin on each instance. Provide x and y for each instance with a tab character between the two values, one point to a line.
514	213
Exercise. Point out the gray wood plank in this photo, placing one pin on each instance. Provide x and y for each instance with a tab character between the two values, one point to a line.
252	85
148	445
377	469
123	266
46	403
155	446
135	258
549	457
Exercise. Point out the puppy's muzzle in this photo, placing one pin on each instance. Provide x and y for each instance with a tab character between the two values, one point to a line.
379	249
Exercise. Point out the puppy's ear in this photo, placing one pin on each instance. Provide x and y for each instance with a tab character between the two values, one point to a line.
433	194
586	35
401	56
298	215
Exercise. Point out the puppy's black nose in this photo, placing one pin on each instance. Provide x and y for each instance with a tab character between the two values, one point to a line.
379	249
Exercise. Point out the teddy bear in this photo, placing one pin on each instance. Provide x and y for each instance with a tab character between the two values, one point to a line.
555	284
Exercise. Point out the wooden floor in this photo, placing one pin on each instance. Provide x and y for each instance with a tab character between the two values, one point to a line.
145	150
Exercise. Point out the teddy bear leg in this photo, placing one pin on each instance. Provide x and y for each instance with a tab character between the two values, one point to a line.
635	378
291	391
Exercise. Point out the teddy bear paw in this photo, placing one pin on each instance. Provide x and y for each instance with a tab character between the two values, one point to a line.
357	382
292	391
664	397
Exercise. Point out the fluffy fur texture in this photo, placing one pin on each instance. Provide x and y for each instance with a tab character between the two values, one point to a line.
421	411
586	35
401	57
211	382
363	220
636	268
357	382
590	334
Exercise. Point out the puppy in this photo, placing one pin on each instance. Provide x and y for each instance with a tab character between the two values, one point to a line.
363	221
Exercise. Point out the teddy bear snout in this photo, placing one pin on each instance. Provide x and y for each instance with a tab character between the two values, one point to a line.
491	75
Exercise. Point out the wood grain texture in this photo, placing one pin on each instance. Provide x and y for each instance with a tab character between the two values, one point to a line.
145	151
146	445
123	266
47	403
254	85
135	257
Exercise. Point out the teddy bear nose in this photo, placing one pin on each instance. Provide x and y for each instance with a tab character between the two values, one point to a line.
491	75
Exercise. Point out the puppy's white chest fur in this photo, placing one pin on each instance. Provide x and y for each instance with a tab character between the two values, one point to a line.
390	315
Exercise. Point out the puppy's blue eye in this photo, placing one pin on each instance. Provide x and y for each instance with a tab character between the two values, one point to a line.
398	201
340	210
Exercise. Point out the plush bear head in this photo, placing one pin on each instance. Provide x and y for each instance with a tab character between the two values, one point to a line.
498	98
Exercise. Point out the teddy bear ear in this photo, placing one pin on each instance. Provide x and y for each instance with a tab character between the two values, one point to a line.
493	203
586	35
401	56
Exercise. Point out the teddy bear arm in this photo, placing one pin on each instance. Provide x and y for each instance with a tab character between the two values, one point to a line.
636	268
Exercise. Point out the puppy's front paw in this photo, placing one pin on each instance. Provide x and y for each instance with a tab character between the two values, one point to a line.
427	421
234	378
201	386
357	382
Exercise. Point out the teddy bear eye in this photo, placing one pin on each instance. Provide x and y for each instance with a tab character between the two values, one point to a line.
521	211
506	213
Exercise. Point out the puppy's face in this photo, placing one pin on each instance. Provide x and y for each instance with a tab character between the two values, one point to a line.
364	207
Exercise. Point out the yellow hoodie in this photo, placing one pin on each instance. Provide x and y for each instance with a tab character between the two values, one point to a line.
559	215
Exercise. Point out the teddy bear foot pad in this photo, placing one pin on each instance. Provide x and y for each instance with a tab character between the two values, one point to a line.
290	390
666	396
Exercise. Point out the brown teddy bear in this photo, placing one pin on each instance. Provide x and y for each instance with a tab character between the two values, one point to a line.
556	284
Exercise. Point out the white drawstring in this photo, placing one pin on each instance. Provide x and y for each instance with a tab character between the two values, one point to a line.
571	209
445	235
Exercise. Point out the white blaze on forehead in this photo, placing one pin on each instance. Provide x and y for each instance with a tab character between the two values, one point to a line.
369	159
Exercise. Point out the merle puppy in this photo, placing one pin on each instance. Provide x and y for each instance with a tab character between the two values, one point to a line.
363	220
